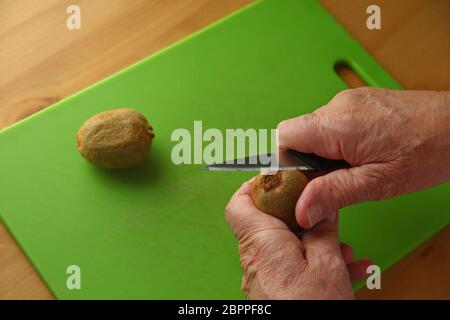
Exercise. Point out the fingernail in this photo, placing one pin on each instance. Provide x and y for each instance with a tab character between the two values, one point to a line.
332	217
314	214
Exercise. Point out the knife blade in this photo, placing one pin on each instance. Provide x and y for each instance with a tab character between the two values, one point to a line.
284	160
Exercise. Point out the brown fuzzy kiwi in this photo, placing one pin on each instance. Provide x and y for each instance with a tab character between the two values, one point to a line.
277	195
115	139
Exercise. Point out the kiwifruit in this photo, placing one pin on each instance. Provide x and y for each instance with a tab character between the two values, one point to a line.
277	195
115	139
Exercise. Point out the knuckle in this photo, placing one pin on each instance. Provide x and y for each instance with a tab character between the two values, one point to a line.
230	214
354	190
227	211
313	122
337	193
363	89
282	129
376	181
351	96
283	125
372	184
332	258
344	95
388	185
377	185
310	118
328	257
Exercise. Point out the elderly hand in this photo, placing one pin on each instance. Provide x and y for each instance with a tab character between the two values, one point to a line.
279	265
397	142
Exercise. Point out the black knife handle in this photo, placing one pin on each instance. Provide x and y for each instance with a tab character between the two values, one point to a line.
319	163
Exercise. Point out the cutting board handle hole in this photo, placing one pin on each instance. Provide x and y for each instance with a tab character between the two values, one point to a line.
348	75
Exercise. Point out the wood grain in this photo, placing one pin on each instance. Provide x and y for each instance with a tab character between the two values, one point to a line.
42	62
413	44
423	274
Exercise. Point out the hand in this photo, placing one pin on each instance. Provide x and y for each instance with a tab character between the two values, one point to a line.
397	142
279	265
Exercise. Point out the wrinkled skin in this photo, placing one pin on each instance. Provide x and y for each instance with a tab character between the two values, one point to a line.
397	142
279	265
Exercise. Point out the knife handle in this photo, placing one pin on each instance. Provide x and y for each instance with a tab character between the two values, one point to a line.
319	163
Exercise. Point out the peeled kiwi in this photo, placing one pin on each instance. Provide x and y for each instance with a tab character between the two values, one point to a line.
277	195
115	139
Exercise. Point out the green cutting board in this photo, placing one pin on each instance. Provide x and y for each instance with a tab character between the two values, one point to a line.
159	231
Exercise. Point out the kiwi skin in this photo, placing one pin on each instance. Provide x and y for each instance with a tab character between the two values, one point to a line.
115	139
277	195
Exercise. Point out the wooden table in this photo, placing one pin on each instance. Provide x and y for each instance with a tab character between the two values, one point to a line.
42	62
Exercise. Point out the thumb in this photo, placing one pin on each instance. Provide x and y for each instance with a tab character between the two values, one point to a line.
327	194
243	217
323	238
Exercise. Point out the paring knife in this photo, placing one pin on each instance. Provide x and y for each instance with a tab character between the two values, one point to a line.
284	160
